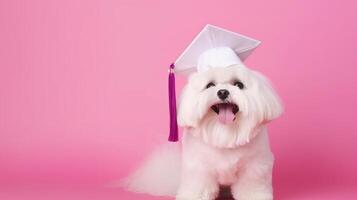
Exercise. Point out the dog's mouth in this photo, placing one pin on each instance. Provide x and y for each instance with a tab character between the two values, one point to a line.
226	112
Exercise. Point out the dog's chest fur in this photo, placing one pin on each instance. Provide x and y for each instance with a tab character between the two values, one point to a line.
227	167
224	164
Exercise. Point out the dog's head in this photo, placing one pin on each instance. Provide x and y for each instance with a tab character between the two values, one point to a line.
226	106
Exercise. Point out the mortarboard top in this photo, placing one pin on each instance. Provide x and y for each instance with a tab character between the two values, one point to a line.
214	47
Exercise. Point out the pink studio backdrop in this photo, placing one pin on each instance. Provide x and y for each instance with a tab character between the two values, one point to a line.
83	94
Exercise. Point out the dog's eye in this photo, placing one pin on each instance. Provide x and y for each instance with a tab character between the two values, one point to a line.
238	84
210	84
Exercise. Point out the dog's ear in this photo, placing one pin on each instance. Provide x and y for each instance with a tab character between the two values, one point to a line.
264	106
187	110
270	103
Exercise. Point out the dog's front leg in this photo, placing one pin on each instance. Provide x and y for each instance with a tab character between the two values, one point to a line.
254	183
197	185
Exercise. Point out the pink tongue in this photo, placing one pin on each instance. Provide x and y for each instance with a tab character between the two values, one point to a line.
225	114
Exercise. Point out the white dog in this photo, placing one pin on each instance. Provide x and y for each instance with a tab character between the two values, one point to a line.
225	142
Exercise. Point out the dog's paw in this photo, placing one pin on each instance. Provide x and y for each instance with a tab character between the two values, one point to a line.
202	190
254	196
194	198
204	195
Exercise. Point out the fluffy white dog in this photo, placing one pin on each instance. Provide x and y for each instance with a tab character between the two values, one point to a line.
224	112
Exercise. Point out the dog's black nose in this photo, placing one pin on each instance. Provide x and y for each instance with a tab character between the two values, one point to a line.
223	94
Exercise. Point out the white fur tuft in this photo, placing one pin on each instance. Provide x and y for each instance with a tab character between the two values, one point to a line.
159	174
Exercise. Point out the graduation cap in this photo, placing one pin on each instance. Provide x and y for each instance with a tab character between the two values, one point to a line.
213	47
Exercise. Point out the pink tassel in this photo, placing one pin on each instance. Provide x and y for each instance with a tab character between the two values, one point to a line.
173	137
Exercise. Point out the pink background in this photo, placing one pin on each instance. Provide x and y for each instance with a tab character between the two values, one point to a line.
83	94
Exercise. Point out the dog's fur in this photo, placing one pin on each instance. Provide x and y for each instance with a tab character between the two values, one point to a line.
216	154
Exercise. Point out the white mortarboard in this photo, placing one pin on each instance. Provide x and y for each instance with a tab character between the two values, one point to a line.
213	47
